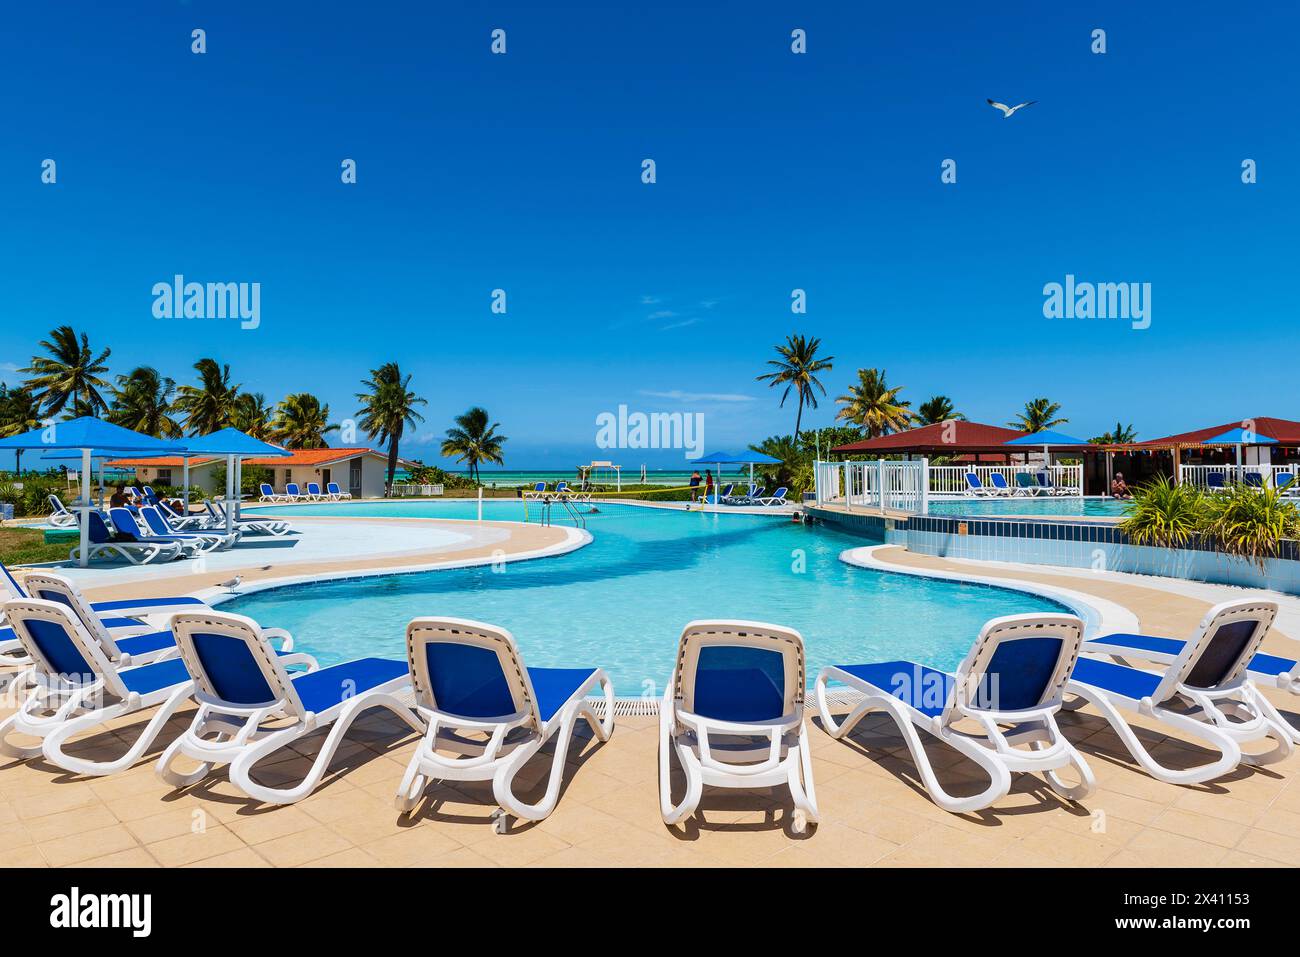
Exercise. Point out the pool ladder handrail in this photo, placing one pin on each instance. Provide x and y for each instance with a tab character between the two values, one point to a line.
547	501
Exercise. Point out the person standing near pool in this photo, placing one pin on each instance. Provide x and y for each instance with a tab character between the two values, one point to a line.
708	485
695	483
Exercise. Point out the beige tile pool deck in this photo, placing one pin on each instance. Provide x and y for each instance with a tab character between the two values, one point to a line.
874	811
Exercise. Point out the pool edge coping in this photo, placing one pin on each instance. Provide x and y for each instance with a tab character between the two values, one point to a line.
1100	615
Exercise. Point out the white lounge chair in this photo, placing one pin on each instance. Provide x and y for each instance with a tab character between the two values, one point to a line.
118	628
292	493
1203	692
999	487
733	713
314	493
60	517
270	495
127	523
978	488
333	492
249	526
129	607
536	492
241	685
77	689
1010	684
183	523
471	683
777	498
138	552
206	541
1263	669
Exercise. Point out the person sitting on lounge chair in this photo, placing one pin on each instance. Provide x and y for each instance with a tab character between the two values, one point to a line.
1119	488
119	498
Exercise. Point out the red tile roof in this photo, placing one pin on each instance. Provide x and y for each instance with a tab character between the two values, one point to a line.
942	437
1286	431
305	457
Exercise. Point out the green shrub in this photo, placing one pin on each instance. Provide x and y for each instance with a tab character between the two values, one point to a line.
1250	523
1164	514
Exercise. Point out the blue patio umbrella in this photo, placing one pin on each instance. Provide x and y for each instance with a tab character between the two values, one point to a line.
1240	437
235	446
1047	439
744	458
89	435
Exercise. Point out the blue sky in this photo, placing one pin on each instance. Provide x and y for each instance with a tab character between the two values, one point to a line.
775	171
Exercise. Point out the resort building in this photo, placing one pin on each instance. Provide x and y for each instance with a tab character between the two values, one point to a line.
360	471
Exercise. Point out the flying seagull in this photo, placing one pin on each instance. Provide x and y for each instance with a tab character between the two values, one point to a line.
1008	110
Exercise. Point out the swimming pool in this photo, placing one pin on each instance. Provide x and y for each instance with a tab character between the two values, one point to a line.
621	601
1060	506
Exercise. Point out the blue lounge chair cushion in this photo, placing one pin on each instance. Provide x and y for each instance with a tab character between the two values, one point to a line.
321	690
555	686
1272	665
150	678
924	689
128	604
1108	676
739	683
144	644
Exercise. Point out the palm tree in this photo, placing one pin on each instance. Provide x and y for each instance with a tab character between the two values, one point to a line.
71	372
19	413
388	408
1123	435
473	441
797	369
938	408
211	405
301	422
143	401
785	450
1039	414
874	406
252	415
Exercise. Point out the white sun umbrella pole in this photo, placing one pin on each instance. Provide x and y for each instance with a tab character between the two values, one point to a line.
230	494
185	481
86	507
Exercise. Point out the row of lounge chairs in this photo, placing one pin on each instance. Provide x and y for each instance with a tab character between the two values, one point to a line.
561	490
732	715
1284	482
752	495
156	533
1027	484
292	493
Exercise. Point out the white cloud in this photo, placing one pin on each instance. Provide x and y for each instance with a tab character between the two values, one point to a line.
679	396
650	300
679	325
662	314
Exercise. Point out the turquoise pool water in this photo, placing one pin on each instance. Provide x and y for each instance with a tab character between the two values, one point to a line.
1063	506
621	601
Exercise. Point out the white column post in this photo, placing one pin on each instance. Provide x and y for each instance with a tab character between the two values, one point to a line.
230	494
85	508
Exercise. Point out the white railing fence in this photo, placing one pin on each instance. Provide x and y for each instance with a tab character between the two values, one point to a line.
1270	475
405	489
951	479
898	486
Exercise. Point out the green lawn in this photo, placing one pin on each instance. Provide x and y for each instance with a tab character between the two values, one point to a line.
19	546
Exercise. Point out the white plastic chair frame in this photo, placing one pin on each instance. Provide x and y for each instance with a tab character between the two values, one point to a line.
237	736
768	754
1224	717
60	707
997	752
512	739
